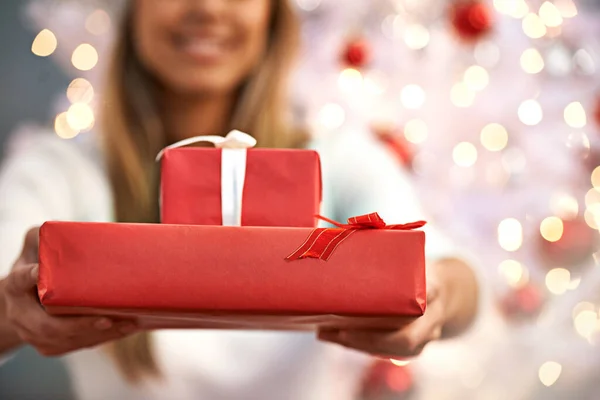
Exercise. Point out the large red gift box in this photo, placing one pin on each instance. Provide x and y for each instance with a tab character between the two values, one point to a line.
281	187
180	276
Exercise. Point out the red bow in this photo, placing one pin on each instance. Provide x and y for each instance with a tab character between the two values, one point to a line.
322	242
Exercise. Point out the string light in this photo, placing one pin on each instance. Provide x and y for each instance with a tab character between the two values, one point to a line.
595	178
350	80
98	22
550	15
62	127
566	8
551	229
591	218
533	26
464	154
574	115
549	373
592	197
331	116
461	95
80	117
415	131
416	36
513	271
486	53
510	234
494	137
586	322
557	280
80	90
582	306
476	78
532	61
530	112
44	44
412	96
85	57
564	206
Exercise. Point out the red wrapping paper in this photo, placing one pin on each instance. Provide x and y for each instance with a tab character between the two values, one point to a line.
174	276
282	187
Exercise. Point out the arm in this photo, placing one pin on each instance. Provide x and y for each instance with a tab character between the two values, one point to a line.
9	339
41	183
362	177
457	279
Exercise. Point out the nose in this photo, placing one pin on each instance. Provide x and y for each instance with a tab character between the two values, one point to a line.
207	9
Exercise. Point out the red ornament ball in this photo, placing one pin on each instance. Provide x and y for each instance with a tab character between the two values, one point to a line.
573	249
522	303
385	379
471	19
357	53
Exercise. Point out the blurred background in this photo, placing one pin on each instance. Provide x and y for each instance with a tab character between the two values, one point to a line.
493	107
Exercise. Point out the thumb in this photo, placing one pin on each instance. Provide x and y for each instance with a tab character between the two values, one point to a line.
22	279
31	245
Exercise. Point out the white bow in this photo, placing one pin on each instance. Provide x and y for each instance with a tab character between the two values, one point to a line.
233	170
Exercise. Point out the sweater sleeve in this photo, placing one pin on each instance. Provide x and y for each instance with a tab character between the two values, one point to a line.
43	178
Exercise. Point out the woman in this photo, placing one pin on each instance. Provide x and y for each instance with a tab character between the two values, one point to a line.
183	68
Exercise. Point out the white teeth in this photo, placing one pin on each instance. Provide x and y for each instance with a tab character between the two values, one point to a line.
203	47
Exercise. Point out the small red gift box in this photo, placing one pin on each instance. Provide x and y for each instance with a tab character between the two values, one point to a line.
239	186
179	276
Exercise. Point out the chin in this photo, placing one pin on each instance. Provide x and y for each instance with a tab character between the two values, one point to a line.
195	85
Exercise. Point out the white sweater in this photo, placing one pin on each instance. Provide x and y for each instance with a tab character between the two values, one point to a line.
47	178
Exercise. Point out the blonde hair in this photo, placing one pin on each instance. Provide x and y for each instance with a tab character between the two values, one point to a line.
133	135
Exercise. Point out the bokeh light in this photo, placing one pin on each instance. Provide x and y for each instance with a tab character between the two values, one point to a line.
532	61
549	373
331	116
44	44
461	95
564	206
62	127
416	36
494	137
80	117
98	22
574	115
476	78
85	57
80	90
412	96
510	234
514	272
464	154
350	80
550	15
415	131
551	229
533	26
530	112
557	280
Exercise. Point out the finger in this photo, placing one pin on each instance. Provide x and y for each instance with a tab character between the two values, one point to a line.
89	340
22	280
31	245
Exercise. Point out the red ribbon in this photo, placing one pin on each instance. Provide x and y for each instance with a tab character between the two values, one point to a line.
322	242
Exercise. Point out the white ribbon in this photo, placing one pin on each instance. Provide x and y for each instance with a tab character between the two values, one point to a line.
233	170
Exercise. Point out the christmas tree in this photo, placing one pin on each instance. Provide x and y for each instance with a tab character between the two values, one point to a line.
493	107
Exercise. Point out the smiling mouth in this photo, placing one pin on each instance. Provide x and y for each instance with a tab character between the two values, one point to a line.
203	49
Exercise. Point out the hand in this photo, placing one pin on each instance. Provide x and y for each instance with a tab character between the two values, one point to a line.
408	341
50	335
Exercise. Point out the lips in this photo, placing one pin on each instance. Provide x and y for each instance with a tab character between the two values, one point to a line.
203	48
